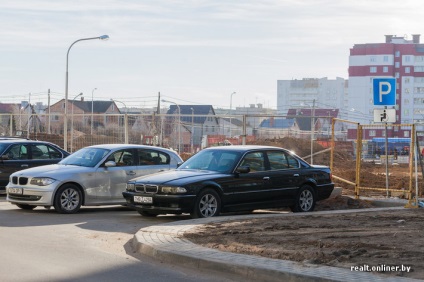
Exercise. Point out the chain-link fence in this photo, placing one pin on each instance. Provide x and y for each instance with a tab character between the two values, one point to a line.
359	161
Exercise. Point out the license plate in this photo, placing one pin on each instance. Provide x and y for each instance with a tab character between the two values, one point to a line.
143	200
15	191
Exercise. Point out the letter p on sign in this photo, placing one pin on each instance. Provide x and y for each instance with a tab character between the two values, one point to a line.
384	90
384	85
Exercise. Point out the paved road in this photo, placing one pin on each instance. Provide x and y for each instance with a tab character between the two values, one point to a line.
92	245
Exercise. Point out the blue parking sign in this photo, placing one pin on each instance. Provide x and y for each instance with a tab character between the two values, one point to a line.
384	90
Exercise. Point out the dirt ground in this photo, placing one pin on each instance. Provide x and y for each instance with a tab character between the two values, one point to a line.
389	238
383	238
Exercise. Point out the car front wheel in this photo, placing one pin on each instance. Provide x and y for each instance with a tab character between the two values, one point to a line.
68	199
208	204
305	200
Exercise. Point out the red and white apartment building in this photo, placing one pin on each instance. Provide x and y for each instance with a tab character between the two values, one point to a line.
397	57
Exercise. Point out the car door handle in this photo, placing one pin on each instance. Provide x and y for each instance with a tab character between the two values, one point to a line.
131	172
266	178
296	175
24	165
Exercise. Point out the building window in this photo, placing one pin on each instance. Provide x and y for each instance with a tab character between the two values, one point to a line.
406	134
406	80
63	105
386	69
373	58
372	133
418	90
396	74
397	64
406	91
407	70
373	69
419	58
419	69
385	58
397	54
407	58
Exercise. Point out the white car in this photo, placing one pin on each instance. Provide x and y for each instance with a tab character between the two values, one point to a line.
92	176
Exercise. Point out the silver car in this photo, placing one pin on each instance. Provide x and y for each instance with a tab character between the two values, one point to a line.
92	176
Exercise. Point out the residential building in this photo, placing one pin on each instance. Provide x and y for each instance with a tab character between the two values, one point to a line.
80	112
398	57
255	114
196	121
278	128
318	92
322	120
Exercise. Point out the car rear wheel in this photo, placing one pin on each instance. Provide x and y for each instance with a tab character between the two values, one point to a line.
208	204
147	214
305	200
68	199
26	207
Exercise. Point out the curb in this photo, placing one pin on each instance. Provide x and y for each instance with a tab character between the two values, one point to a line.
165	242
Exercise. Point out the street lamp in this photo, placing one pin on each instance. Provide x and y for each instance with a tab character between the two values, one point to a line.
312	128
231	107
192	130
72	123
65	118
92	110
126	109
179	125
125	122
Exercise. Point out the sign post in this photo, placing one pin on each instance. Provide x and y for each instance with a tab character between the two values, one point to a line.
384	90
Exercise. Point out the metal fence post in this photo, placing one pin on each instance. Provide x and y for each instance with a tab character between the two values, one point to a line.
126	126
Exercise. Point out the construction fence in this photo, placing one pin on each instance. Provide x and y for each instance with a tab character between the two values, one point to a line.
358	159
388	166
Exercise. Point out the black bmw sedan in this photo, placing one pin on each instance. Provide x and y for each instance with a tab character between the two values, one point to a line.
232	178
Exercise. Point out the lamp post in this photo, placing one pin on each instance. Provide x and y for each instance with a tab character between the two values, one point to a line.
65	117
312	129
126	109
72	123
192	130
29	114
92	110
179	125
231	107
125	120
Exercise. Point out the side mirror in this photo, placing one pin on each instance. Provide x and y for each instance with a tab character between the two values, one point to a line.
243	169
4	157
110	164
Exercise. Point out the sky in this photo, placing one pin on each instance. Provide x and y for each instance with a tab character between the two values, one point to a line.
191	52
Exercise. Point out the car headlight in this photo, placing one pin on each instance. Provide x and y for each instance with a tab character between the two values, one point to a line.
42	181
130	187
173	190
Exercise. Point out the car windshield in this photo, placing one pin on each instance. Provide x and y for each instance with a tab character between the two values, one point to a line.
214	160
88	157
